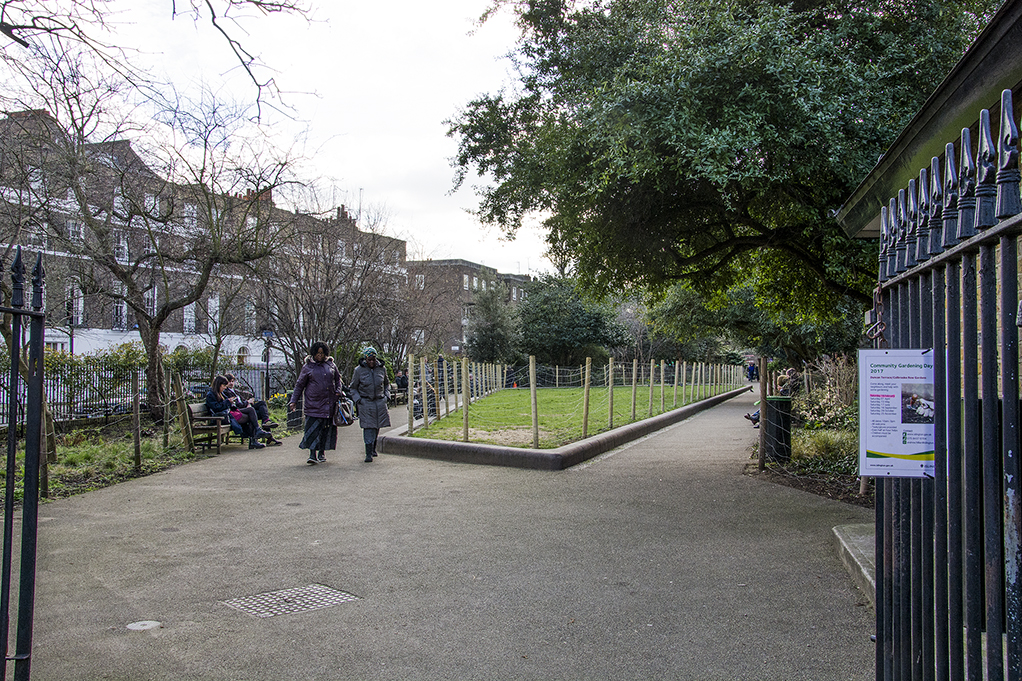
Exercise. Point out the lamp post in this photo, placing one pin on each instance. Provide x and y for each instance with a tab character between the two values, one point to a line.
267	340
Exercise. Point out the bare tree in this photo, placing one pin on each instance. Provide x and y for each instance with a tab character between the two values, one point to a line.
333	283
86	27
145	234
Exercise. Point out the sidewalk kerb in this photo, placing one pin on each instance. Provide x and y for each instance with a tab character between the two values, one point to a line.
394	442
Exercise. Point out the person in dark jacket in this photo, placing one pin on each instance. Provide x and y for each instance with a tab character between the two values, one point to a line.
320	383
370	390
219	403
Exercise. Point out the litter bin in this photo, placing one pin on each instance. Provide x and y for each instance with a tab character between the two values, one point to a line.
777	423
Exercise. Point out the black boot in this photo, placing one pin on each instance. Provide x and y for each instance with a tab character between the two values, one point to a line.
374	447
369	453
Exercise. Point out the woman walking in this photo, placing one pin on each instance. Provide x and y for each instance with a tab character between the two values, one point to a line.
320	382
370	390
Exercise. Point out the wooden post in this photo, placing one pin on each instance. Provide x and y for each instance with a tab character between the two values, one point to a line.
635	384
535	402
166	424
425	393
447	394
465	398
663	385
585	399
436	386
677	367
182	413
411	391
136	425
610	392
557	376
652	372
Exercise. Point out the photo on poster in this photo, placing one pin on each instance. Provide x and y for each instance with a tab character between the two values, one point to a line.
917	403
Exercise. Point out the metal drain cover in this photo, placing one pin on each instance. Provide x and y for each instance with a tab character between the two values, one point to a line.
301	599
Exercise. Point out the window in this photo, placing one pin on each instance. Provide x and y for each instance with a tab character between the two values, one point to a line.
397	257
475	283
213	311
118	202
121	248
251	222
75	231
342	248
152	204
189	215
514	293
149	298
189	318
119	321
56	346
243	354
484	284
420	282
465	281
74	304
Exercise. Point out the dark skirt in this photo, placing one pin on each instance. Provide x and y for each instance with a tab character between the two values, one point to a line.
320	434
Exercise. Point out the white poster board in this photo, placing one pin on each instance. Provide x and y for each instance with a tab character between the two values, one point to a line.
896	405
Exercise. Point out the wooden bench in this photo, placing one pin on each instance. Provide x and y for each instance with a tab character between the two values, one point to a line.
207	430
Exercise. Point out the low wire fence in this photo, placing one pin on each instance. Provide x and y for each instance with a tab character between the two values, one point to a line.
567	403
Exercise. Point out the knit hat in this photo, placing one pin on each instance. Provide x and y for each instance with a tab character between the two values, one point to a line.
368	352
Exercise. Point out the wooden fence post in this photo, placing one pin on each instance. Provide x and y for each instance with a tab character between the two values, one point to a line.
182	413
677	368
635	384
652	379
585	399
425	392
535	402
411	393
466	397
610	392
663	385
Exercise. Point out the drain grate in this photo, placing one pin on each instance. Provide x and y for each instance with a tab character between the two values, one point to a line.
301	599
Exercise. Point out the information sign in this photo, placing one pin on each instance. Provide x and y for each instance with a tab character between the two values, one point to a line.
896	407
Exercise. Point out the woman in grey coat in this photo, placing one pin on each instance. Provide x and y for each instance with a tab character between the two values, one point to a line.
370	390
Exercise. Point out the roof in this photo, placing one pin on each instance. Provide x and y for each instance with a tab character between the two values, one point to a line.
990	66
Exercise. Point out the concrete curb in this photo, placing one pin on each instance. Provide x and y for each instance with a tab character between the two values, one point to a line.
541	459
856	547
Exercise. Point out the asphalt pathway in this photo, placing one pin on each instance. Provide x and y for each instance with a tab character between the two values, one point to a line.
657	560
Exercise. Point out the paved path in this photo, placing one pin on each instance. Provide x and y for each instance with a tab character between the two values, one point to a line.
658	560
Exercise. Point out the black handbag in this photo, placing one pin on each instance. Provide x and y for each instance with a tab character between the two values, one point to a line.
344	412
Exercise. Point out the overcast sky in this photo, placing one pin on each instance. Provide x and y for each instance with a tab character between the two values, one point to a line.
373	83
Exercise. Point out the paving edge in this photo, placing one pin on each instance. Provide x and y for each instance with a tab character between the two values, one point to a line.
542	459
856	548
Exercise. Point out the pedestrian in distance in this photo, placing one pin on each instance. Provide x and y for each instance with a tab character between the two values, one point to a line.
319	383
370	390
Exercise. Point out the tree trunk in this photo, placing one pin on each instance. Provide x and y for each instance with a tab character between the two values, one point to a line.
155	381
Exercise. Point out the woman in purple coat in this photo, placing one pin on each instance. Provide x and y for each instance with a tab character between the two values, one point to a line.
320	383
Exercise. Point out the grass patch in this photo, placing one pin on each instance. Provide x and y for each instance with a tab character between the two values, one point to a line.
505	417
824	462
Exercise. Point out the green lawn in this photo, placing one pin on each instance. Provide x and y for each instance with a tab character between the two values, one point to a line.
505	417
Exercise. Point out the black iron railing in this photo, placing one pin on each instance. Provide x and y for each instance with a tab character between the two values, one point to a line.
948	549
